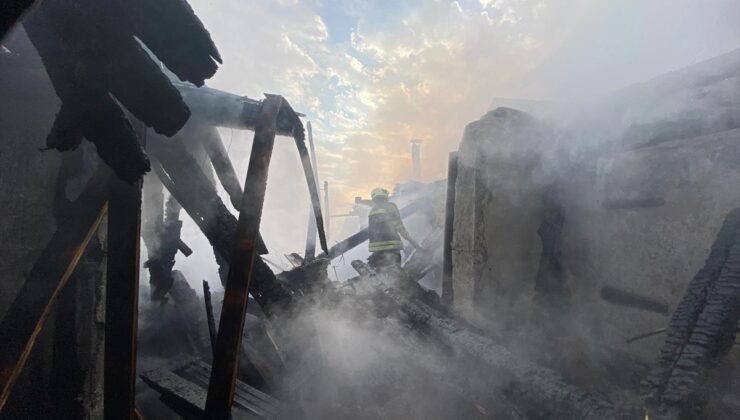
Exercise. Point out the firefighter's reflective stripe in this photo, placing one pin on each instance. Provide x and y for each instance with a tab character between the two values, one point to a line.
376	212
385	246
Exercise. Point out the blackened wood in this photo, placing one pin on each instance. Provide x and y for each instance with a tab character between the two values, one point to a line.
244	252
327	211
32	305
447	289
173	32
190	186
310	252
122	295
11	12
622	297
137	82
209	314
222	109
187	183
646	335
362	236
221	162
702	329
313	190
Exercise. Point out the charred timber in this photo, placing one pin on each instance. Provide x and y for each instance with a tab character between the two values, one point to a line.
222	109
538	392
32	305
96	64
362	236
222	384
447	289
701	331
621	297
121	299
11	12
221	162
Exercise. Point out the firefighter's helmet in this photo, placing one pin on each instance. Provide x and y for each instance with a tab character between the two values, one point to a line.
379	192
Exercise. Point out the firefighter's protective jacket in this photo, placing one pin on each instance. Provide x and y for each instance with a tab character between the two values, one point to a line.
384	227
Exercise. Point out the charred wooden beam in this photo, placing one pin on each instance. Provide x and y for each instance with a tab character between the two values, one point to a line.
538	392
242	259
271	296
172	31
184	390
313	188
362	236
209	314
27	314
221	162
447	289
186	181
222	109
94	58
11	12
622	297
310	252
702	329
122	296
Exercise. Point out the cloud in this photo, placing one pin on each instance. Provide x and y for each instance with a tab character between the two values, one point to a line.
371	75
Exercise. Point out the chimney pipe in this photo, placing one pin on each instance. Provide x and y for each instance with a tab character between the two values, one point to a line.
416	160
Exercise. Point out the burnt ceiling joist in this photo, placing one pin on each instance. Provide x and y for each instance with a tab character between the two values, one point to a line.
94	53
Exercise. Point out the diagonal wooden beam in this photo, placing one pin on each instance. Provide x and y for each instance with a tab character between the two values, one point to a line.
310	252
447	289
27	314
313	188
121	300
244	251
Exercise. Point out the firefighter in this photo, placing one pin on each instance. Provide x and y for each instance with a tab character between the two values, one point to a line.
385	231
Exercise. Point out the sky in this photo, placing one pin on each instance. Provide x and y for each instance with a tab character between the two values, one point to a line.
372	75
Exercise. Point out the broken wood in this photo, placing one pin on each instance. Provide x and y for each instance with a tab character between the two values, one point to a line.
447	289
32	305
222	109
209	315
313	188
221	162
11	12
310	252
702	329
242	259
538	392
362	236
622	297
121	299
646	335
184	390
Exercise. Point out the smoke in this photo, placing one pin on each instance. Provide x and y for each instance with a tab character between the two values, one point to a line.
355	363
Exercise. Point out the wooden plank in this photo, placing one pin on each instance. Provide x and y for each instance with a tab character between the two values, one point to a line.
310	252
122	295
171	385
228	342
27	314
447	288
209	314
362	236
313	188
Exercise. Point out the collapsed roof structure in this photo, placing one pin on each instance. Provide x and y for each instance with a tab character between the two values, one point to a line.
514	253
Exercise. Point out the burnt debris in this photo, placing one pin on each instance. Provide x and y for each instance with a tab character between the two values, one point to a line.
701	331
93	55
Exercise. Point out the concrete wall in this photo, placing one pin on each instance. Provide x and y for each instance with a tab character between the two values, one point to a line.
642	203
